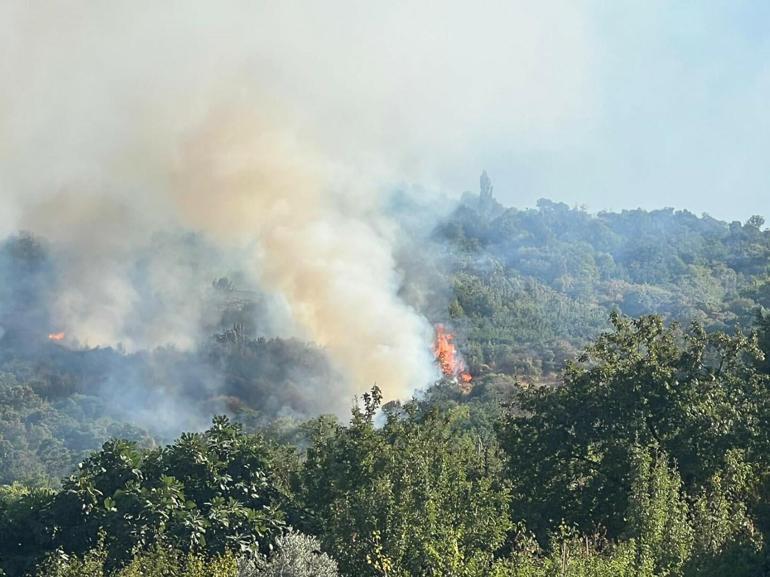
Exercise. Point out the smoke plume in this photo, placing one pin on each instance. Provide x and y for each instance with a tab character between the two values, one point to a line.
158	148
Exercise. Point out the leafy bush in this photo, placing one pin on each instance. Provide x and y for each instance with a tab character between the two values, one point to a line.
159	561
210	492
418	496
295	555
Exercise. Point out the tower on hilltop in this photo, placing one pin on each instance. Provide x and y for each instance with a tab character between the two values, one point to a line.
485	187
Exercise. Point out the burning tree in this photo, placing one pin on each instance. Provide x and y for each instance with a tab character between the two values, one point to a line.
448	357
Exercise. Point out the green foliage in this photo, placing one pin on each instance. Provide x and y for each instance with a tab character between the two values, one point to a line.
525	290
216	491
529	285
668	533
518	326
570	555
763	336
41	441
662	534
695	395
25	520
295	555
416	497
727	540
651	460
647	456
160	561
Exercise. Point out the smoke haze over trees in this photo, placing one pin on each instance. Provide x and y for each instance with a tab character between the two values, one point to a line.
384	289
524	290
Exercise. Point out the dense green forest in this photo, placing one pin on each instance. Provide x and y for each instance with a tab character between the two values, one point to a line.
618	422
531	287
651	459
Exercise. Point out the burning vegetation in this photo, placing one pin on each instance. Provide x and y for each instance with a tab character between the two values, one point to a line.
449	359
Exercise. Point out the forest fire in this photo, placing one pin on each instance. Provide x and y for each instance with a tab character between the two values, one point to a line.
450	361
56	336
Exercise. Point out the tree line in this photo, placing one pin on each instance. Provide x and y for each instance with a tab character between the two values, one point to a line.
651	459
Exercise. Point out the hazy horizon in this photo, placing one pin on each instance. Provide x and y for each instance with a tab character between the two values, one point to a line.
612	106
672	113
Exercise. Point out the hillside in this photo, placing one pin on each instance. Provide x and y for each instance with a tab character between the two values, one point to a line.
524	290
531	287
647	457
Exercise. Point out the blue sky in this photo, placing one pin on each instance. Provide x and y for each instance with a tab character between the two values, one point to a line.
679	115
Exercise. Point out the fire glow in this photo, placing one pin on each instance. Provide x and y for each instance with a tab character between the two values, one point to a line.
450	361
56	337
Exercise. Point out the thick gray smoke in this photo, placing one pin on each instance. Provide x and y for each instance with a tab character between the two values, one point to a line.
271	130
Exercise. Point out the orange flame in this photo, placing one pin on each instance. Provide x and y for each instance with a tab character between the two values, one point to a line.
56	336
450	361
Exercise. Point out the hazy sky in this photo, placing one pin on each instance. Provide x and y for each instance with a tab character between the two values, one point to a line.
610	104
675	111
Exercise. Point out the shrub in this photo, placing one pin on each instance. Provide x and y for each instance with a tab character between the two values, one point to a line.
296	555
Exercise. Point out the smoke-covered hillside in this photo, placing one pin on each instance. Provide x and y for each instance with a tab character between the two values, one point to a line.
257	319
531	286
522	289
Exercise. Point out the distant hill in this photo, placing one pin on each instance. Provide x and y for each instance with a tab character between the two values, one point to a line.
524	291
530	287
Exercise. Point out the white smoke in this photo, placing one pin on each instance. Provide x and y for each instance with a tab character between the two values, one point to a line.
272	129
